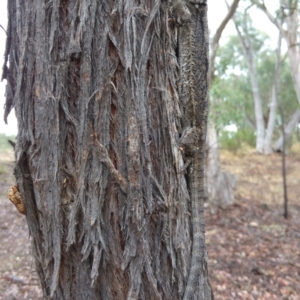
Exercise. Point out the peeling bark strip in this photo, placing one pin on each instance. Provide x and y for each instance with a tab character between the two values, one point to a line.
101	106
15	197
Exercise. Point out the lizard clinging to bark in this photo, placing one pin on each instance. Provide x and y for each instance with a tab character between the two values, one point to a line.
193	94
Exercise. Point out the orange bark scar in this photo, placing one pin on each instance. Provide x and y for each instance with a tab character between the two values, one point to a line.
15	197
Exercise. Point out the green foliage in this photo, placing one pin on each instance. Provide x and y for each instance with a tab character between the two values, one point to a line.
233	141
4	144
247	136
228	141
2	169
231	93
231	101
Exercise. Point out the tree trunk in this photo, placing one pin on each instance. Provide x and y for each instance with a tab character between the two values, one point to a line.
218	193
289	17
98	157
292	40
260	127
271	122
249	55
294	120
294	59
219	184
214	45
274	101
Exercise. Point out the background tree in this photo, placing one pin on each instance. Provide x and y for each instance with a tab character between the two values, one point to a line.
273	101
101	106
287	22
232	95
219	184
243	30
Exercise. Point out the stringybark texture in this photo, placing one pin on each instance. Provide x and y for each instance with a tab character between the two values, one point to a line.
95	86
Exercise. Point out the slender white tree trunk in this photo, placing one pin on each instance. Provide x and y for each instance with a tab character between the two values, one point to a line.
291	37
290	34
219	184
260	126
294	59
274	102
278	146
271	122
214	188
248	52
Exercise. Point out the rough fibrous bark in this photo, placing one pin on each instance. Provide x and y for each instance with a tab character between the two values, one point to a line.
193	87
98	163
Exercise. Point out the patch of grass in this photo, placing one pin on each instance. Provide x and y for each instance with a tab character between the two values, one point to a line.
2	169
4	144
234	141
295	148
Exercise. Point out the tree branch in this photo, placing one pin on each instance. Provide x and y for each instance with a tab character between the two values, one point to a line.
3	29
270	16
217	36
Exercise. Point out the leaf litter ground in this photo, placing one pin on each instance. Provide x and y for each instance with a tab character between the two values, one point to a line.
254	253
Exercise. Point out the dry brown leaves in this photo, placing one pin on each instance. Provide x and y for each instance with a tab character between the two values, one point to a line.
254	253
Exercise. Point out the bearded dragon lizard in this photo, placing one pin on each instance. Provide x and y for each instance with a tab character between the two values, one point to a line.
193	95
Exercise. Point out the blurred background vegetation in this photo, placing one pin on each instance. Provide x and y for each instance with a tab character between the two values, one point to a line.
4	144
231	94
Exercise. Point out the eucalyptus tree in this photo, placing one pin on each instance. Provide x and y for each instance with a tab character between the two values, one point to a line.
232	94
111	102
219	184
287	22
274	101
244	28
